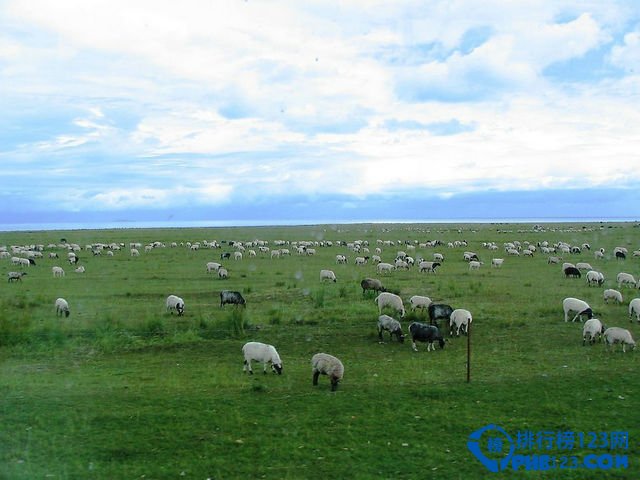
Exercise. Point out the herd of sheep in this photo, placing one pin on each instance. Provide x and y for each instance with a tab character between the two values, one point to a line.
391	307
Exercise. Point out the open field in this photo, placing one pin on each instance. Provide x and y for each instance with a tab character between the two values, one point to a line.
123	389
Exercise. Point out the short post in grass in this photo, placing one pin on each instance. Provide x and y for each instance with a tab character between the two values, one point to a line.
469	352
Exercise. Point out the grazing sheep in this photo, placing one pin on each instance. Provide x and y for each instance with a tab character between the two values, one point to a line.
634	309
57	271
134	252
213	267
261	352
625	279
460	319
570	304
429	267
387	299
237	255
223	273
594	278
611	294
474	265
554	259
372	284
325	364
615	335
80	269
230	297
341	259
592	328
620	255
327	275
15	276
385	322
383	267
425	333
572	272
419	301
583	266
497	262
62	307
439	311
361	260
175	303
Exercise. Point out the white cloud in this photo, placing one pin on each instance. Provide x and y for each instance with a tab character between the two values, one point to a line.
627	55
284	97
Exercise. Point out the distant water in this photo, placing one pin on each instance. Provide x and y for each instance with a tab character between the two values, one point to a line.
10	227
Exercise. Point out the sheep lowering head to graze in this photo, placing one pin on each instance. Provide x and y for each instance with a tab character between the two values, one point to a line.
593	328
627	279
325	364
594	278
261	352
391	325
327	275
576	305
372	284
62	307
428	267
572	272
391	300
230	297
175	303
615	335
460	320
611	294
419	301
429	334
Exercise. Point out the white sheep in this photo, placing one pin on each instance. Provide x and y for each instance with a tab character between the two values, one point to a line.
592	328
223	273
57	271
261	352
576	305
611	294
384	267
615	335
62	307
213	267
474	265
460	319
634	309
419	301
625	279
387	299
497	262
594	278
135	252
583	266
325	364
80	269
391	325
237	255
175	303
327	275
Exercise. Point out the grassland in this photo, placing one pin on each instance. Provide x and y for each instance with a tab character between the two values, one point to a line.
122	389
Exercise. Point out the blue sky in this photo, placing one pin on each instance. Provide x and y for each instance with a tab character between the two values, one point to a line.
318	110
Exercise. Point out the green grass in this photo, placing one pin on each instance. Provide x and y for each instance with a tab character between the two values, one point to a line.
123	389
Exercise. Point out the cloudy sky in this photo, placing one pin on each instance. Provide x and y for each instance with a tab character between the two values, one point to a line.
318	110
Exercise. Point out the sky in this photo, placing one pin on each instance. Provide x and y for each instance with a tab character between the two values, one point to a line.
324	110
